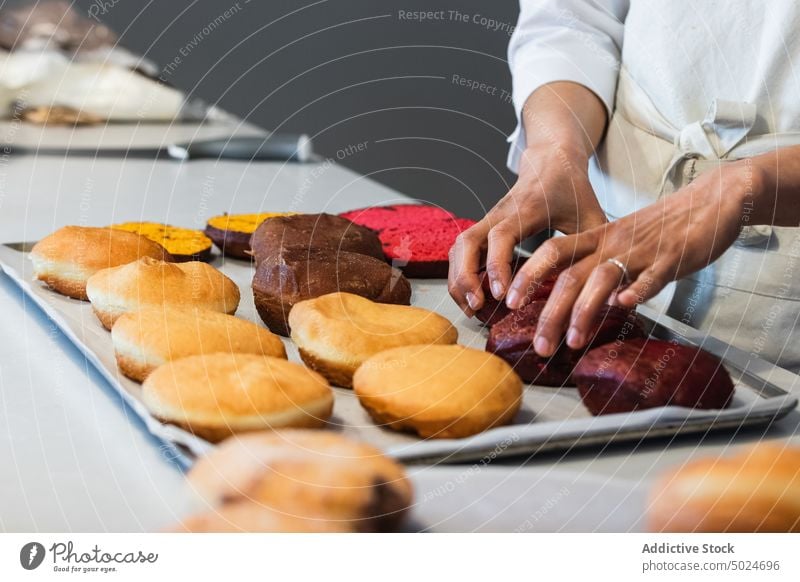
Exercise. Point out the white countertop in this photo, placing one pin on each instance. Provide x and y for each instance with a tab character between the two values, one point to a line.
74	457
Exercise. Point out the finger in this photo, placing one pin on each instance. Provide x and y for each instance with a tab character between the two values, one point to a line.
602	282
463	282
646	286
552	256
502	240
554	317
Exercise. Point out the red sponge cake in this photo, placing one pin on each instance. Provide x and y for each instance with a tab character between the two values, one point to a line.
416	238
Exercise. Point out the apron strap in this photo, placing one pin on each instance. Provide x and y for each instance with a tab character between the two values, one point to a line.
725	128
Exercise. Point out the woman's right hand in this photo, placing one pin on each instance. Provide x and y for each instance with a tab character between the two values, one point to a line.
553	191
563	123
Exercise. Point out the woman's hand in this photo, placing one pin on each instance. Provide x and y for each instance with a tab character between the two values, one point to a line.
553	191
563	123
678	235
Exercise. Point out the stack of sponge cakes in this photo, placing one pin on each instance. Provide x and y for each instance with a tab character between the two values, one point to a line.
325	282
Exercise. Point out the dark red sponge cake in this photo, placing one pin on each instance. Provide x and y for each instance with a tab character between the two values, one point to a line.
645	373
512	339
416	237
493	310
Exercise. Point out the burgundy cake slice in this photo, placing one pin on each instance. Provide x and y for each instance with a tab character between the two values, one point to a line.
512	339
493	310
649	373
416	238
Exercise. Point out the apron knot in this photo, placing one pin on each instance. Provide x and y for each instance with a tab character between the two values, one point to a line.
725	125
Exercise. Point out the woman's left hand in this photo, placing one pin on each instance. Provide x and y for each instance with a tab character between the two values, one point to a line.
679	234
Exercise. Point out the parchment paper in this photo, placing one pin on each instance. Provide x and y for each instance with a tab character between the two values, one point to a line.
549	419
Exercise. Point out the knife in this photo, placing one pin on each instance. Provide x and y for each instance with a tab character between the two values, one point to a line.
20	247
274	147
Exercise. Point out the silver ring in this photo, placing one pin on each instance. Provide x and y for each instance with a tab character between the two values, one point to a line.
621	266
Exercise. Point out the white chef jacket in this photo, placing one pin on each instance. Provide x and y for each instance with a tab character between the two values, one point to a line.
684	53
688	85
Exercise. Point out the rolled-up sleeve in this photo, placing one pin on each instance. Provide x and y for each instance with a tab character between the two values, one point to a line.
564	40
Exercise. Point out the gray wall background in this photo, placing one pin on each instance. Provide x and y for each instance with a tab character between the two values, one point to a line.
347	72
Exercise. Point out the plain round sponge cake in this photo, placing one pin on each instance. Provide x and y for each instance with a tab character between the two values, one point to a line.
337	332
757	489
306	474
67	258
416	238
438	391
253	517
217	395
151	283
144	340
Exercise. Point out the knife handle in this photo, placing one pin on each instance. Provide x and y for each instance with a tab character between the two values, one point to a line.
274	147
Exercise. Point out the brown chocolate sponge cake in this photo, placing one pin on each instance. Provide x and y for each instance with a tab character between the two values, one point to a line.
300	232
231	232
512	339
646	373
291	276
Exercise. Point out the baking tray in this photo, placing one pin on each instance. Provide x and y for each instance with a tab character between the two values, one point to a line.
550	419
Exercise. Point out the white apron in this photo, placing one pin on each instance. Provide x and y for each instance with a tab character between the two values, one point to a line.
750	297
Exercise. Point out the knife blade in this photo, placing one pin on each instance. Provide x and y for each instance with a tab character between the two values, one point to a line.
21	247
274	147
